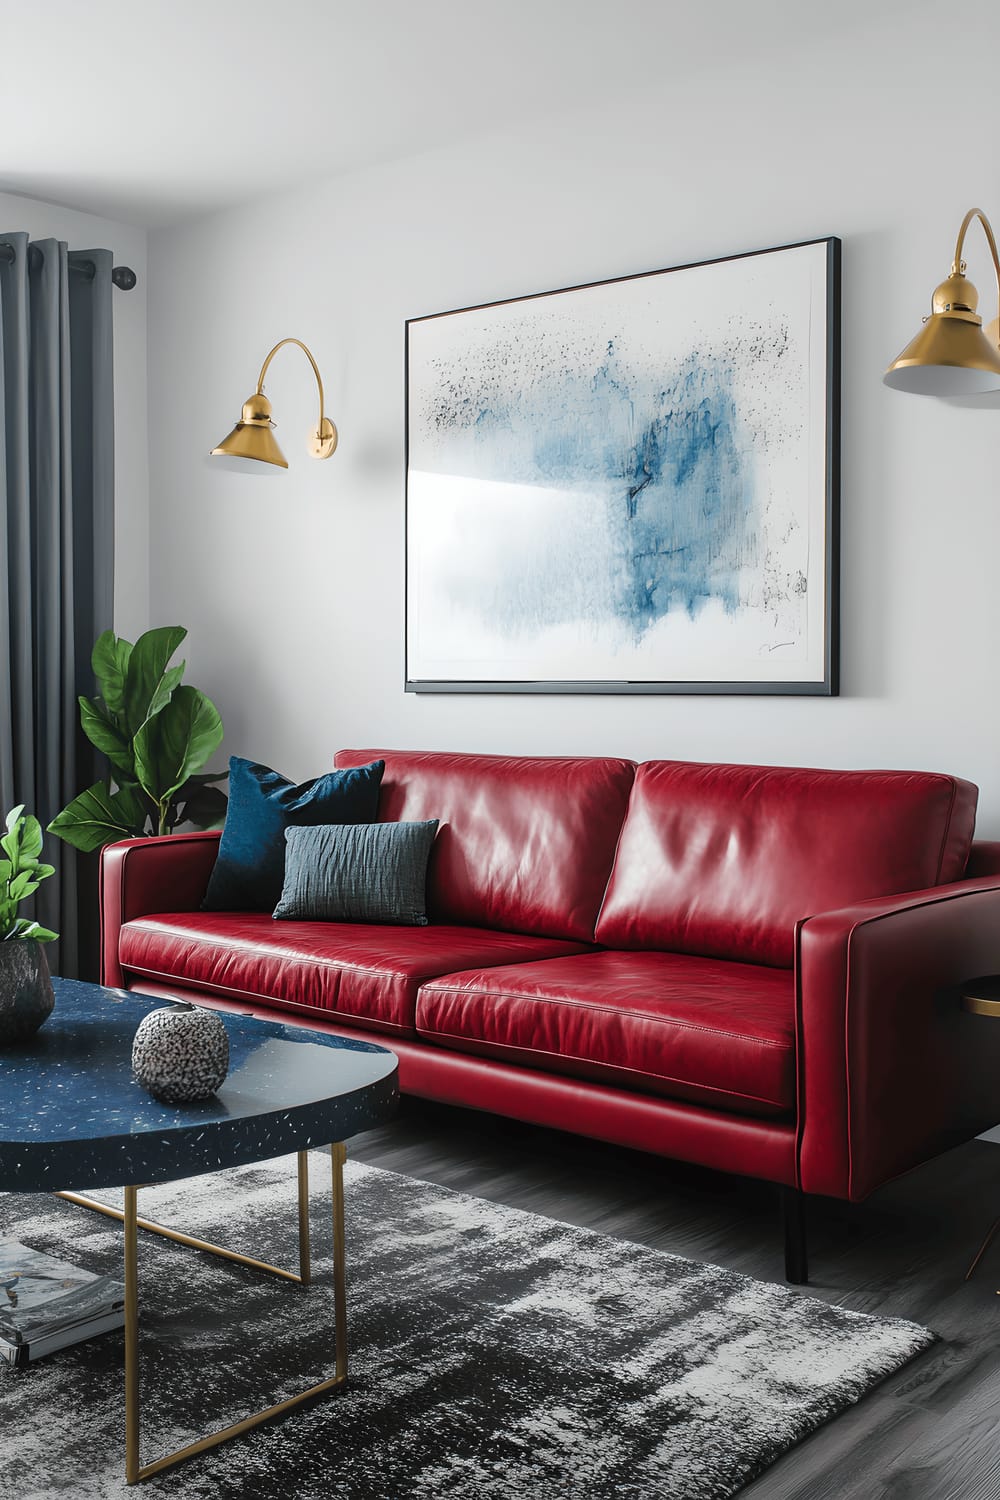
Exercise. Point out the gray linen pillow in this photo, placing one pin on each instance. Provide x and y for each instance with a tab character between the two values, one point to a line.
357	872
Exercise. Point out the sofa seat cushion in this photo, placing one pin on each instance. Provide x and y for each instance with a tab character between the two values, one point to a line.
696	1029
367	972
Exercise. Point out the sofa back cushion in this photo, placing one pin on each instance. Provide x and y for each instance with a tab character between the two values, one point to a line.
525	843
724	860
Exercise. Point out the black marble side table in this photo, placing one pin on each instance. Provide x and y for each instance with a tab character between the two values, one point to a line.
72	1117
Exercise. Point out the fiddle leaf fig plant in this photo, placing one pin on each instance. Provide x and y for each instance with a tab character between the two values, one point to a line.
157	733
21	872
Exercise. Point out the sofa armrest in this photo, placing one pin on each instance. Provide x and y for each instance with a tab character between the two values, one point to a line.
891	1070
139	876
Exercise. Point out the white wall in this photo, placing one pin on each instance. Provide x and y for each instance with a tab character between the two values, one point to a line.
292	583
85	232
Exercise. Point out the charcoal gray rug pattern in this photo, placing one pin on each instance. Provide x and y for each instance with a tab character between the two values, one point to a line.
493	1353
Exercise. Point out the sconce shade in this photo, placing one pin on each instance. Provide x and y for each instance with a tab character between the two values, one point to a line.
251	441
949	357
953	355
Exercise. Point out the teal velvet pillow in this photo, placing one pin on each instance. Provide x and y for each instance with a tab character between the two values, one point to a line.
250	866
373	873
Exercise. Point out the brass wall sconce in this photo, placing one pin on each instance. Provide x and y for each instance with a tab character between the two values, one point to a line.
953	355
252	437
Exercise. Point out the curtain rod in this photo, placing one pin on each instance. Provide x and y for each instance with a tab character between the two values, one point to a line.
122	276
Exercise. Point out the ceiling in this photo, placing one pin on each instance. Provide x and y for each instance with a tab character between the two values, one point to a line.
153	113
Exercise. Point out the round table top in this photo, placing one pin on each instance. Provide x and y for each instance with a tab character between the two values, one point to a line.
73	1116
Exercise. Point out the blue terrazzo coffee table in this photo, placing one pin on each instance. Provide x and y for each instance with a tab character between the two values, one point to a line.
72	1117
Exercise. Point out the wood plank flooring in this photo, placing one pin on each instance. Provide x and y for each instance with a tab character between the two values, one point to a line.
929	1433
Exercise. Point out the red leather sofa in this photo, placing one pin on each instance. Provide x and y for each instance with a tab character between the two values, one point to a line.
752	968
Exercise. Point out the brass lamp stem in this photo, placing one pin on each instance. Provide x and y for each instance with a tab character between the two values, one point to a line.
319	378
958	264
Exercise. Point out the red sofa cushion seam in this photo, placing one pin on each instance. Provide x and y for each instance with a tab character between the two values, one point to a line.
231	989
242	946
440	988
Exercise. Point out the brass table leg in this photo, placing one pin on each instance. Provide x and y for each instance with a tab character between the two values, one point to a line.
305	1269
301	1277
135	1471
338	1155
132	1466
987	1242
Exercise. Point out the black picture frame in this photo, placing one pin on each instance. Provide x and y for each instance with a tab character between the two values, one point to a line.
438	387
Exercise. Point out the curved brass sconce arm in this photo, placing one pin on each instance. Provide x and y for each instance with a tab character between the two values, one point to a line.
958	264
953	355
253	438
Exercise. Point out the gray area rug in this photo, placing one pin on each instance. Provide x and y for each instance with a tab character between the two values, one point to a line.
493	1353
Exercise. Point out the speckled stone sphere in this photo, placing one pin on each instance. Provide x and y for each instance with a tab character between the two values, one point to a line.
26	997
180	1053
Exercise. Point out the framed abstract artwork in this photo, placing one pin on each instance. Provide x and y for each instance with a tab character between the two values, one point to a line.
629	486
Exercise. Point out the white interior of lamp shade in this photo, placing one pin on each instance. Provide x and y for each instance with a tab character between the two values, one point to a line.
942	380
231	464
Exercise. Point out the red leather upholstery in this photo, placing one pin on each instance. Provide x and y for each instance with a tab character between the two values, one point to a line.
724	860
891	1069
714	1033
344	968
984	859
524	844
684	1052
730	1143
145	875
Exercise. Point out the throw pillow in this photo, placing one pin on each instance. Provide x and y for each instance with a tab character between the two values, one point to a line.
262	804
373	873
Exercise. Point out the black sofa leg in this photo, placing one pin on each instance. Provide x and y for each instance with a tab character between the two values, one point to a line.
793	1206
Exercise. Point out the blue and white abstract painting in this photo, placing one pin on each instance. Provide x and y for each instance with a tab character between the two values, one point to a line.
624	483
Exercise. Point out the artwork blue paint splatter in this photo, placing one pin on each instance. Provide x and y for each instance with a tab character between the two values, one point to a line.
601	481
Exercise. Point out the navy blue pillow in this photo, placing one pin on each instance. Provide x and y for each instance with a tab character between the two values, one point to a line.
250	867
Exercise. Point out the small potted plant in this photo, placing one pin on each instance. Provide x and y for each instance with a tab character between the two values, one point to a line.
26	997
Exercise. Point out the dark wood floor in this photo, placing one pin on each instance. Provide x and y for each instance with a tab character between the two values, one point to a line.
932	1432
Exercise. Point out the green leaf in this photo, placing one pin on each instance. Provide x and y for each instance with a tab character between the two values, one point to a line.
165	688
109	660
202	806
124	779
133	804
22	886
146	668
103	733
23	928
94	818
172	746
31	838
9	844
13	817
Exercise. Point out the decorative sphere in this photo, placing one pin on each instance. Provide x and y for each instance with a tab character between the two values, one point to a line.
181	1053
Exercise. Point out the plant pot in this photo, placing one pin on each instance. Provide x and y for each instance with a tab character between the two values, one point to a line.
26	997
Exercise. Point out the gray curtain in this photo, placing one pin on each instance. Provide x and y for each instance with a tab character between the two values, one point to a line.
56	548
